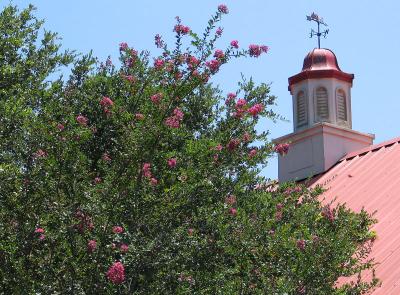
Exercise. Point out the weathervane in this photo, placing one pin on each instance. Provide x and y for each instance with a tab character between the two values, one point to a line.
319	21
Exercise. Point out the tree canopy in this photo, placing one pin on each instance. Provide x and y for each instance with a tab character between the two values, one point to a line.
143	177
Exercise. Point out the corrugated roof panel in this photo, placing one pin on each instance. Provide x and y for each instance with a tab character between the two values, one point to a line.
370	179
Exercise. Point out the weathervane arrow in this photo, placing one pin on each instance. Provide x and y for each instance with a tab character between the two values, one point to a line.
320	21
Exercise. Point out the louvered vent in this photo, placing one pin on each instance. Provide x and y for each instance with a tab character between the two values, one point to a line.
341	105
322	103
301	109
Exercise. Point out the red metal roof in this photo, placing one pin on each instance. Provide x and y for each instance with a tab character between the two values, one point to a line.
370	178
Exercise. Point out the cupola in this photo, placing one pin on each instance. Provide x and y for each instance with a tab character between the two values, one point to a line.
321	92
322	120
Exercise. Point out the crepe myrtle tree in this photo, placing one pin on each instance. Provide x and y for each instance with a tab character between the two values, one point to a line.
144	178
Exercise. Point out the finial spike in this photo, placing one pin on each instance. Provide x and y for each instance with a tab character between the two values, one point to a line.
320	21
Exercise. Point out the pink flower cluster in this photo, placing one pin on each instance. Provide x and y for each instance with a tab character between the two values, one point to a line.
158	63
117	229
328	213
213	65
129	78
175	120
82	120
172	162
233	144
257	50
192	62
230	200
146	170
85	222
106	103
231	96
252	153
235	44
124	248
181	29
301	244
219	31
91	246
40	154
223	8
60	127
106	157
158	41
123	46
116	273
219	54
40	231
240	107
255	109
139	116
282	148
156	98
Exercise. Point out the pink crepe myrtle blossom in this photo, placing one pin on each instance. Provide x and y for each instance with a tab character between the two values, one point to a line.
181	29
246	137
97	180
282	148
223	8
233	144
124	248
174	120
232	211
153	181
219	147
172	162
158	63
241	103
106	102
91	246
109	62
301	244
117	229
257	50
123	46
235	44
230	200
219	54
252	153
213	65
106	157
40	154
40	232
146	169
190	231
82	120
230	96
116	273
156	98
255	109
139	116
60	127
219	31
158	41
328	213
130	78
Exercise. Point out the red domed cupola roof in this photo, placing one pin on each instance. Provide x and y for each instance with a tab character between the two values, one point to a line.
320	59
318	64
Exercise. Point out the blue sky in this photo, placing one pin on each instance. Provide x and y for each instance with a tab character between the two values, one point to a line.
363	34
